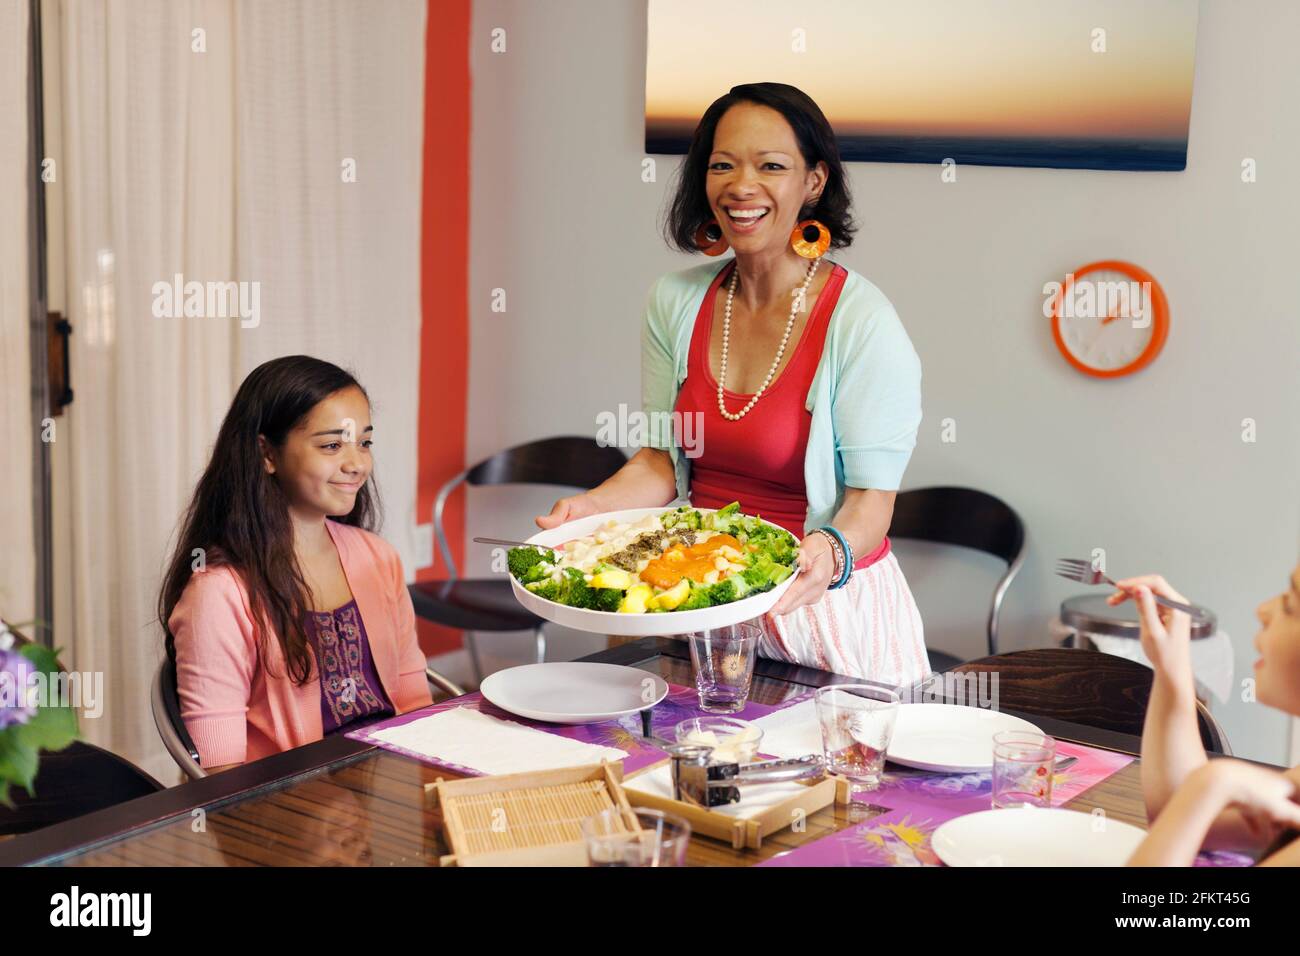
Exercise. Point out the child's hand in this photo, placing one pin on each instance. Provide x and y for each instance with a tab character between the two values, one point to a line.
1267	799
1166	634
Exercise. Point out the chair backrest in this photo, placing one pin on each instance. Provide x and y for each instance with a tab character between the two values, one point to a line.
1084	687
968	518
572	461
167	718
74	781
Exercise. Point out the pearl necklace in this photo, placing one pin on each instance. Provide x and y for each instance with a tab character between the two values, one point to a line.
800	297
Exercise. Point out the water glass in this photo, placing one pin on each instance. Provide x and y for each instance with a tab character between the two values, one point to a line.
641	837
857	723
723	661
1023	765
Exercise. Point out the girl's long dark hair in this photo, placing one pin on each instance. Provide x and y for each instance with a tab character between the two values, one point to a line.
239	516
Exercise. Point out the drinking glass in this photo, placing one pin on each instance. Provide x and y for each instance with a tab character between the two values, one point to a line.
857	722
661	839
1023	764
723	661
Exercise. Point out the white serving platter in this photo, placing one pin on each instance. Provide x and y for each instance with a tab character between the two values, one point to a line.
638	625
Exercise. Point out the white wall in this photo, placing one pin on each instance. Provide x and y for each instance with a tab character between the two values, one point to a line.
1152	468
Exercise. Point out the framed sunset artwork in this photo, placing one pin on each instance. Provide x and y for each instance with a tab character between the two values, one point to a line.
1084	84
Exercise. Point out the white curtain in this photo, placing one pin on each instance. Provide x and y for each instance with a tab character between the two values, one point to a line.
330	133
200	139
17	554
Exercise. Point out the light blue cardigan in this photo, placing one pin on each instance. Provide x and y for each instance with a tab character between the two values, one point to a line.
865	397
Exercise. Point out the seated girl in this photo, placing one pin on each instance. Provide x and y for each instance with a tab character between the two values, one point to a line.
1197	803
286	617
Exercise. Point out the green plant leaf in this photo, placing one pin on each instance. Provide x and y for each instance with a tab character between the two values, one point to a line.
51	728
17	761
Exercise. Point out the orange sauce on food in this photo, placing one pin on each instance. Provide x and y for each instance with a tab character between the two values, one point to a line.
693	562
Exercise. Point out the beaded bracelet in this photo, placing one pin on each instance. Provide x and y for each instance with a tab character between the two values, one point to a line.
847	570
837	554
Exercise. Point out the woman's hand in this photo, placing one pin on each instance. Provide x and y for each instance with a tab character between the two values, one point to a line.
1166	633
570	509
1267	799
816	563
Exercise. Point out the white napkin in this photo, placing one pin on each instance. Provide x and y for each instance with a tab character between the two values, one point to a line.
484	743
792	732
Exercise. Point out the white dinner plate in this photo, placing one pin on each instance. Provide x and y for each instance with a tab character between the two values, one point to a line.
573	692
1034	836
949	737
638	625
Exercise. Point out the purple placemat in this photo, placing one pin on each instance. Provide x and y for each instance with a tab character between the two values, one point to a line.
917	802
624	733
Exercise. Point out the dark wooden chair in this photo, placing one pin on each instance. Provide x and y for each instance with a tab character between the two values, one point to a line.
967	518
487	604
79	779
1084	687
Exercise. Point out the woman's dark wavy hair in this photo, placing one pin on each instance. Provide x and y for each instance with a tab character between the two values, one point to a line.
239	516
690	204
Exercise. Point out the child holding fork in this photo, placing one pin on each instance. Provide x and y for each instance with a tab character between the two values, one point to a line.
1196	803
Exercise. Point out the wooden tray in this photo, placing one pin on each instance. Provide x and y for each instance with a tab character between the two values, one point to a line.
527	819
744	832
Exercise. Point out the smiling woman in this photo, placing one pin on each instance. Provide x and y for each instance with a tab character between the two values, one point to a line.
286	617
803	383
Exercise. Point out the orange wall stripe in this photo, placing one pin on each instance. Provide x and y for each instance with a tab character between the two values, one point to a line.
444	279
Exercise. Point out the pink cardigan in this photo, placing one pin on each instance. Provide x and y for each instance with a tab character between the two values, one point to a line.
236	709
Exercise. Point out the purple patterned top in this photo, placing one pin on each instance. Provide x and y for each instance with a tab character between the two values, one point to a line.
350	690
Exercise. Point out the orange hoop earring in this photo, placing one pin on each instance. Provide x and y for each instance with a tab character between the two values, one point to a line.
710	240
810	239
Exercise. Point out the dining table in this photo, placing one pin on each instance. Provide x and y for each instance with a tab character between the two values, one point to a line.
341	801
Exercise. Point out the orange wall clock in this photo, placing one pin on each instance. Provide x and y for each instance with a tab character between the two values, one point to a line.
1110	318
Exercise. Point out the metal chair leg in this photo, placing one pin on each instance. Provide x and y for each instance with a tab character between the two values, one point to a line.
540	634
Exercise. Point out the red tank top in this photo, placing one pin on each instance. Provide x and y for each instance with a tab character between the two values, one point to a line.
759	460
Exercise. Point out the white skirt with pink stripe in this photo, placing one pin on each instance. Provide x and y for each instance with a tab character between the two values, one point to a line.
870	628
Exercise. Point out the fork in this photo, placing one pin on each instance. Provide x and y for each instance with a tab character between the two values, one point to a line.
1077	570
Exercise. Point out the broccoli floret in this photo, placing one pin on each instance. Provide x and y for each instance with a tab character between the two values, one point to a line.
578	593
606	599
549	589
731	589
698	598
537	572
521	559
